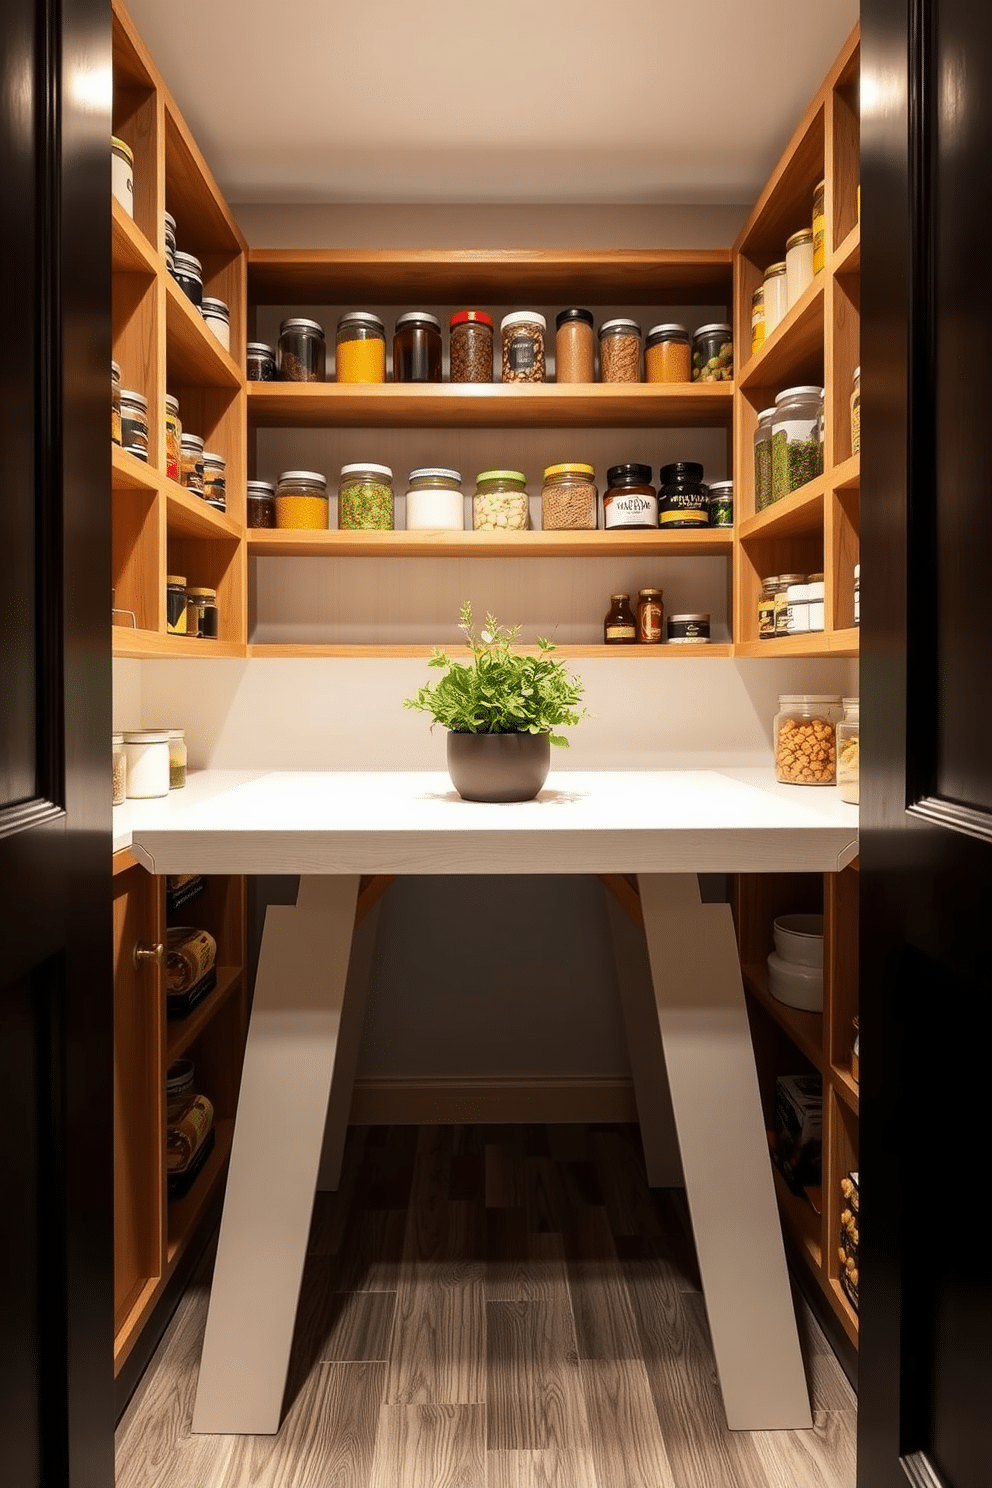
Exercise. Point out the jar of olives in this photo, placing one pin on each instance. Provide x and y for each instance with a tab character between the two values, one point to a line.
500	501
365	498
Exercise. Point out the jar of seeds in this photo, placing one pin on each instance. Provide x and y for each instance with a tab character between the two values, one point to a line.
568	499
620	351
360	348
302	351
301	501
365	498
668	354
797	455
575	347
500	501
522	333
471	346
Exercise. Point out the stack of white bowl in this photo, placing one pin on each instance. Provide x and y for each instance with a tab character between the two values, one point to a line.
795	967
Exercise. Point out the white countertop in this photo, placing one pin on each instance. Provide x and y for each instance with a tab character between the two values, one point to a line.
664	821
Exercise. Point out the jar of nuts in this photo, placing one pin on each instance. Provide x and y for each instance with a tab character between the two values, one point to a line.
500	501
471	346
805	739
620	351
568	498
522	333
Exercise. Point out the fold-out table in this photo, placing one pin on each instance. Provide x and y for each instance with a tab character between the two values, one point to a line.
665	827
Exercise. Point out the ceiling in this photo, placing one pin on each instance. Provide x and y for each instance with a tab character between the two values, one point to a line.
450	101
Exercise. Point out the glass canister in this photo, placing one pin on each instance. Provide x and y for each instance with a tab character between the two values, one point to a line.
177	759
170	242
819	228
797	455
630	502
119	769
758	319
776	296
522	335
620	350
575	346
786	582
683	496
689	630
434	499
766	608
204	620
301	501
805	739
147	754
500	501
115	403
849	752
173	439
417	350
217	317
713	353
301	355
191	462
261	497
650	617
619	625
215	480
763	459
189	277
176	604
470	346
134	423
722	504
260	362
856	413
360	348
568	498
798	265
365	498
122	173
668	354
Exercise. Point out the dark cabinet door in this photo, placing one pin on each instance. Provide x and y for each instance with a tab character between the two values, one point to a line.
925	1372
56	1032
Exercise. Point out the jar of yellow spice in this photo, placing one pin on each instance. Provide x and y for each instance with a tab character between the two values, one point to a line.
360	348
301	500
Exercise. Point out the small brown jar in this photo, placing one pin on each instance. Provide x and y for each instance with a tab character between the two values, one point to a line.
261	504
619	626
650	617
417	348
575	346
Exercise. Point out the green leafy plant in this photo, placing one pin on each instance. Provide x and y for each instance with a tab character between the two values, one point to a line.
501	691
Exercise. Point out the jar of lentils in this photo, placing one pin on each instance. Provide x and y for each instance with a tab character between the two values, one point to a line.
575	346
568	499
620	351
301	501
302	351
522	333
471	346
500	501
365	498
360	348
261	504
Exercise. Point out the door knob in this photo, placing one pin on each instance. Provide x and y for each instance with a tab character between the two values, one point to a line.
148	954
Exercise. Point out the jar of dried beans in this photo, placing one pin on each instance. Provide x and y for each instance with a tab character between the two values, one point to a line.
522	334
568	498
575	346
471	346
500	501
365	498
620	351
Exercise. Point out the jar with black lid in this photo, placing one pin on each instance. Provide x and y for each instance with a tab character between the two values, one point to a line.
261	504
683	498
189	277
630	502
471	346
302	353
575	346
134	423
417	352
260	362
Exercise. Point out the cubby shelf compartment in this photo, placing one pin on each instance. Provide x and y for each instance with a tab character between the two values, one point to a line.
194	354
794	349
194	517
812	643
798	513
128	473
266	543
130	250
152	643
184	1032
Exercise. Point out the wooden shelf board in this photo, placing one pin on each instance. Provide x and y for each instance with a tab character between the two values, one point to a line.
128	473
847	255
182	1032
194	517
184	1214
151	643
195	357
812	643
123	860
846	476
799	1218
130	250
490	405
796	342
800	514
263	542
837	1298
846	1087
127	1335
804	1029
273	650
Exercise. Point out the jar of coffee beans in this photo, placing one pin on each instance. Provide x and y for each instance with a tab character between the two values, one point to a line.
471	346
302	351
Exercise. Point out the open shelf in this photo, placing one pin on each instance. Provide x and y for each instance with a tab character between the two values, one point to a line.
195	356
182	1032
804	1029
194	517
153	643
271	650
185	1213
266	543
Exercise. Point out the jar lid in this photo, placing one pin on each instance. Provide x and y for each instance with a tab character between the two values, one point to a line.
523	317
575	312
668	328
192	442
418	317
619	596
771	580
816	578
188	261
766	413
434	472
804	235
176	733
299	323
585	470
146	736
125	150
773	270
650	593
115	367
364	467
202	593
128	395
361	317
790	578
857	373
820	185
809	697
488	475
703	615
712	328
171	403
257	346
680	470
209	458
314	476
117	738
857	570
215	307
179	580
722	487
461	317
759	294
807	391
619	325
260	489
629	475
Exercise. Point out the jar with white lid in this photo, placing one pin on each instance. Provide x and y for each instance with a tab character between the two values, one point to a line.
713	353
805	738
797	454
798	265
763	459
217	317
620	350
122	173
435	500
776	296
365	498
301	355
215	480
119	767
849	752
189	276
147	755
522	335
134	423
500	501
191	462
301	501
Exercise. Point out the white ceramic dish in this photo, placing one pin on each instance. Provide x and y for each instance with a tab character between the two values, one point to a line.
796	985
799	938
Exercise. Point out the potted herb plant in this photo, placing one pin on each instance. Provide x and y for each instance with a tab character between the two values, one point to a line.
502	711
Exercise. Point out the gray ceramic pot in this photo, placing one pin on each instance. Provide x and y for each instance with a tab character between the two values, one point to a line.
498	767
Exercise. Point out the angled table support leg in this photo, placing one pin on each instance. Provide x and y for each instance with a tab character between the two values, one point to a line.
285	1087
714	1088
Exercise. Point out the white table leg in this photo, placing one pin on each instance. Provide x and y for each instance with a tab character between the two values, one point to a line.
714	1088
279	1131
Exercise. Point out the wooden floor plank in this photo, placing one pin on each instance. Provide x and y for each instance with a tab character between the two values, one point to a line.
361	1327
522	1266
533	1388
372	1252
549	1468
619	1162
825	1457
430	1446
604	1322
626	1443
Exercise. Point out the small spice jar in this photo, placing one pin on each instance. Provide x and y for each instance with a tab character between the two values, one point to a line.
134	423
173	439
115	403
301	501
683	497
360	348
568	498
147	753
122	173
857	594
470	346
301	355
119	769
650	617
215	480
217	317
797	455
575	346
170	242
191	462
766	608
500	501
763	460
668	354
798	265
417	351
776	296
261	499
758	319
204	620
819	228
786	582
849	752
722	504
189	277
522	335
177	759
176	604
686	630
434	499
713	353
805	739
619	626
260	362
856	413
630	501
620	351
365	498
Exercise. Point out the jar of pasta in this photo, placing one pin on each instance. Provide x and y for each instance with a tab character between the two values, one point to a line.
668	354
500	501
522	334
805	739
568	498
301	500
620	350
365	498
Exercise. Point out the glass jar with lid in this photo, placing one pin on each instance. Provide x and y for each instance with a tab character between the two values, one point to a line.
575	345
115	403
856	412
360	348
217	318
668	354
261	496
798	265
191	462
713	353
804	732
500	501
301	501
122	173
119	768
630	502
849	752
301	355
763	459
683	496
470	346
417	351
776	296
204	618
722	504
786	582
176	604
177	759
568	498
365	498
650	617
620	350
758	319
189	276
819	227
766	608
619	625
147	752
173	439
134	423
434	499
522	335
260	362
215	480
797	455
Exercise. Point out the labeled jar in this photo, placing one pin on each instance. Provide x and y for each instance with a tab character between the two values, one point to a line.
134	423
758	319
776	296
815	593
115	403
365	498
173	439
417	351
217	318
260	362
856	413
568	498
301	501
470	346
650	617
434	498
683	497
857	594
261	502
630	502
170	242
122	173
797	454
766	608
360	348
177	759
203	618
500	501
118	769
786	582
301	355
713	353
619	625
147	756
722	504
689	630
189	277
805	739
215	480
191	462
797	608
819	228
176	604
668	354
620	350
798	265
575	346
522	336
763	460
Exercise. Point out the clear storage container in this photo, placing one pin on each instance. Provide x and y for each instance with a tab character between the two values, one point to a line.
568	498
417	349
522	335
805	739
365	498
668	354
191	462
302	352
301	501
797	455
360	348
763	459
713	353
470	346
260	362
500	501
575	346
261	504
434	499
620	350
776	296
798	265
177	759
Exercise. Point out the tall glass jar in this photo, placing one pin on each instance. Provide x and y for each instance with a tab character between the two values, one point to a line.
798	265
797	455
189	277
434	500
766	608
620	350
575	346
856	412
301	355
470	346
522	335
630	501
713	353
849	752
819	228
668	354
177	759
115	403
134	423
758	319
804	732
650	617
568	498
417	351
763	459
173	439
360	348
217	318
301	501
365	498
500	501
776	296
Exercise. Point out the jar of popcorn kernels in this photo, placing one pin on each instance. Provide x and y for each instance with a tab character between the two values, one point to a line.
805	739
